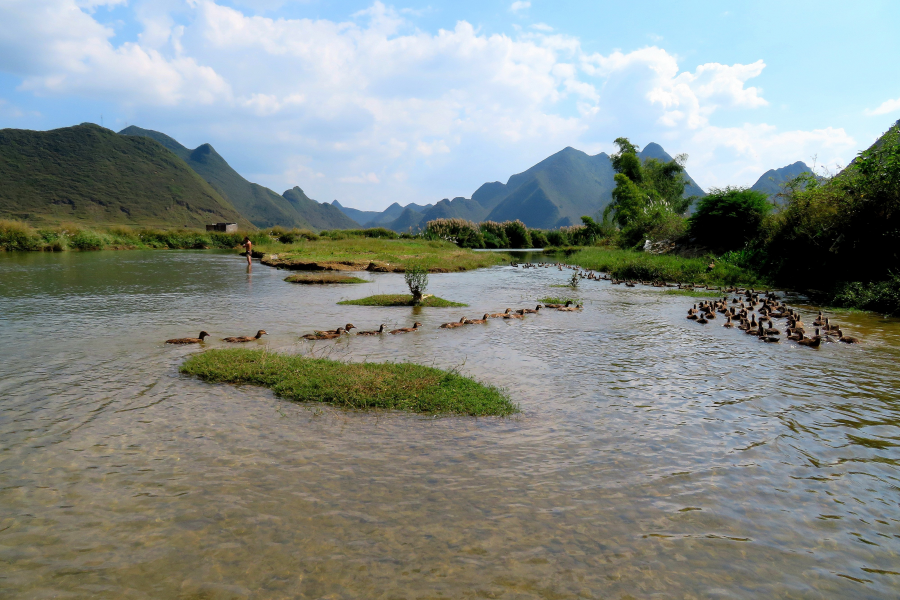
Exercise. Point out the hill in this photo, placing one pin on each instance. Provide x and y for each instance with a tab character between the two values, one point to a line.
374	218
555	192
88	173
771	181
260	205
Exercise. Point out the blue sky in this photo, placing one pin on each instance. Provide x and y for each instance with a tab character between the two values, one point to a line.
376	102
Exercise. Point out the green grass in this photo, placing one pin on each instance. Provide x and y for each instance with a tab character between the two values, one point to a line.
401	300
322	278
358	253
633	265
558	300
395	386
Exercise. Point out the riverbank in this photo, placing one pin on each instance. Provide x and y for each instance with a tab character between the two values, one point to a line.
376	254
394	386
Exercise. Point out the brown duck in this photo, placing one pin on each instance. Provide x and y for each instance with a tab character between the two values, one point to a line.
415	327
324	335
346	328
480	321
812	342
376	332
453	324
196	340
531	311
245	338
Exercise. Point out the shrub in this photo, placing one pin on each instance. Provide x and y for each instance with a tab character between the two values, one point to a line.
15	235
517	234
497	233
728	218
416	277
85	239
538	239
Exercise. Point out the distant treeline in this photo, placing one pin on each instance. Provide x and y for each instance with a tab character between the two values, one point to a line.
511	234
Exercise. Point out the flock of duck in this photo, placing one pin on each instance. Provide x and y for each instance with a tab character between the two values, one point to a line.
741	313
747	304
569	306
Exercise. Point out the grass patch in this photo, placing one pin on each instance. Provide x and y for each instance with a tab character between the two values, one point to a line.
401	300
556	300
632	265
396	386
322	278
377	254
562	285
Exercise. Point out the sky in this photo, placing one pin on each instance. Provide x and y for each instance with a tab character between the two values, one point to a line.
375	102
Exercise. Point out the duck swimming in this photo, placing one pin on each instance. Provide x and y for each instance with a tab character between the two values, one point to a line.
415	327
324	335
380	330
453	324
196	340
245	338
480	321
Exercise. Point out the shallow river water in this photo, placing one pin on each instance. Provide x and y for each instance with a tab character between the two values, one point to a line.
653	457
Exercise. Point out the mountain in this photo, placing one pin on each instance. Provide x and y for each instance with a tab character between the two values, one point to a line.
261	206
89	173
319	215
557	191
770	181
372	218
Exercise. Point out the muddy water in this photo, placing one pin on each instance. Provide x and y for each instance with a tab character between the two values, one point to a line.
653	457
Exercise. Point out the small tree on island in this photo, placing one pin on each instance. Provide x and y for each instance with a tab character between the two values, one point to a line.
416	277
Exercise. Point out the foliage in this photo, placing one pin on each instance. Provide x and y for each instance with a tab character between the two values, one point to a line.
416	277
729	218
648	198
323	278
396	386
881	296
517	234
401	300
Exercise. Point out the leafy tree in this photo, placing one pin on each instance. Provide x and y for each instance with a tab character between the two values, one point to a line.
416	277
648	198
726	219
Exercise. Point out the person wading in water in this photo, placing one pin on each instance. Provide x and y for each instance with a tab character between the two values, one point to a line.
249	246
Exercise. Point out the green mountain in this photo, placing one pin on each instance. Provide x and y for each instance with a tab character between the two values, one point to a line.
770	182
262	206
88	173
373	218
557	191
319	215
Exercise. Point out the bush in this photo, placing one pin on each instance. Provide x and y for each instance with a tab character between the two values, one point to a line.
496	232
517	234
416	277
727	219
881	296
538	239
15	235
85	239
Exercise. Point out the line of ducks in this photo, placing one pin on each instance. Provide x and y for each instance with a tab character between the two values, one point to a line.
569	306
591	275
742	310
231	340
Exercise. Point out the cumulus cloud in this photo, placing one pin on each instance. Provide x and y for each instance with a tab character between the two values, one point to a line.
371	109
887	107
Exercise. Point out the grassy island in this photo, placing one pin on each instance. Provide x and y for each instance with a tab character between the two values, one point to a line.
394	386
323	278
401	300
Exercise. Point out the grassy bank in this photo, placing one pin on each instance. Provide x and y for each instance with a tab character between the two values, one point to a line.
323	278
401	300
15	235
630	264
377	254
403	386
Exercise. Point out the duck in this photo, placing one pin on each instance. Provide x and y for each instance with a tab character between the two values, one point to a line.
830	327
820	320
379	330
812	342
324	335
570	308
568	302
346	328
728	322
532	311
453	324
245	338
415	327
480	321
693	316
500	315
846	338
509	314
196	340
702	320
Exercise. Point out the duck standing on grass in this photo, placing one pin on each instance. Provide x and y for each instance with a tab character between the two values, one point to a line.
196	340
245	338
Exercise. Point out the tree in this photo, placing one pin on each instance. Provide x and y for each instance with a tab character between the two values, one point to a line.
728	218
416	277
649	196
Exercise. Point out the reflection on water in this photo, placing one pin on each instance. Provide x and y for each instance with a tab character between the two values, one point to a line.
653	457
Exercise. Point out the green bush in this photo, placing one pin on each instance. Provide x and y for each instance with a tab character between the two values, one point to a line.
538	238
517	234
85	239
729	218
15	235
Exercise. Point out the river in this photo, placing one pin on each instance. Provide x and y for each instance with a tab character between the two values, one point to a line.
653	457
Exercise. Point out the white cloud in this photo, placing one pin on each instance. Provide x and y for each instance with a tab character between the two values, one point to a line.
519	5
372	110
887	107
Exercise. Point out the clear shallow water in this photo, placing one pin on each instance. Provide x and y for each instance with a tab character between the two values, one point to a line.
653	457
